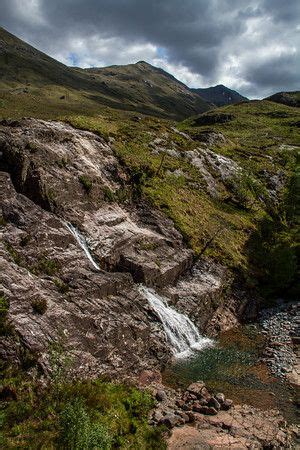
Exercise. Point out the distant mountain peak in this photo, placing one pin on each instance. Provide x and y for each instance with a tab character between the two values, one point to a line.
286	98
220	95
138	87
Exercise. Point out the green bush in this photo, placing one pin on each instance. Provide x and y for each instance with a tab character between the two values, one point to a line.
5	328
86	182
61	286
13	253
77	432
45	265
39	305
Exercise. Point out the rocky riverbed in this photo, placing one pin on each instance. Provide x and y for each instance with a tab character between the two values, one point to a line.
197	418
281	325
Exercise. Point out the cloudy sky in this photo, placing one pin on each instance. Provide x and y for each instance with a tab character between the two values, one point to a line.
251	46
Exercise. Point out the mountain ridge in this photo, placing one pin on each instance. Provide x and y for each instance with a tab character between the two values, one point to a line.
220	95
25	69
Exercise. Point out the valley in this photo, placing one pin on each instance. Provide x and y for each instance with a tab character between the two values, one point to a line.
149	240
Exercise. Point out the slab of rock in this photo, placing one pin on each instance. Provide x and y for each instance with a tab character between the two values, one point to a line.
242	428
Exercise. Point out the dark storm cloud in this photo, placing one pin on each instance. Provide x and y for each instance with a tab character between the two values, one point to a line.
228	41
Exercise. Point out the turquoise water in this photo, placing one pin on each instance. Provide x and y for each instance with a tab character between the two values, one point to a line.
233	367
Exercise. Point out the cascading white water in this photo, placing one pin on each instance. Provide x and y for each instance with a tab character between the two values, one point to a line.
180	330
83	244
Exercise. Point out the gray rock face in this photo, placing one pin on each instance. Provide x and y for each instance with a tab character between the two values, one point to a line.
55	165
213	167
52	174
106	325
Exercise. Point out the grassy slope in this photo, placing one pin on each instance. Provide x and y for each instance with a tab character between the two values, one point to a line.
74	415
30	80
255	134
112	413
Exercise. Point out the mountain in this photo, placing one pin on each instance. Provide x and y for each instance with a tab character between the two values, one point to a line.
220	95
142	82
34	78
128	240
286	98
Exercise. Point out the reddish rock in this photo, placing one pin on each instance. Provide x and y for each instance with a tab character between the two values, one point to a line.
213	402
161	395
227	404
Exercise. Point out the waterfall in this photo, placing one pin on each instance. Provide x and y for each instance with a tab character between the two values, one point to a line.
83	244
180	330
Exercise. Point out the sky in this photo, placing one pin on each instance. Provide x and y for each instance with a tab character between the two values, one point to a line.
251	46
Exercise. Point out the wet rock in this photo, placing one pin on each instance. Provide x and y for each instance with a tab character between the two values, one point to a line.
161	395
227	404
171	420
213	402
220	397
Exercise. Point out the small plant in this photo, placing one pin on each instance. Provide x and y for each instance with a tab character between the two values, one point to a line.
3	222
62	162
118	196
61	286
147	245
108	195
45	265
13	253
39	305
32	147
86	182
60	361
5	328
25	240
50	196
77	432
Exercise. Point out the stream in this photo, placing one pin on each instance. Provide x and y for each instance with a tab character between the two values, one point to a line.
232	365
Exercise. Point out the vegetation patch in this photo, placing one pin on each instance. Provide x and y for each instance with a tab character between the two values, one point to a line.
17	258
39	305
86	182
5	327
61	285
76	415
45	265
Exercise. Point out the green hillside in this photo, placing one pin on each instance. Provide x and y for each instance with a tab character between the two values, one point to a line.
32	81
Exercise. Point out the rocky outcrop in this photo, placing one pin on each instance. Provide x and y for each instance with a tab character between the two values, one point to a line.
241	428
214	169
103	322
53	174
198	419
210	296
281	326
76	175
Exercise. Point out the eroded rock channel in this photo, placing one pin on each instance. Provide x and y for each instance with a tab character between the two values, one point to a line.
51	175
73	261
